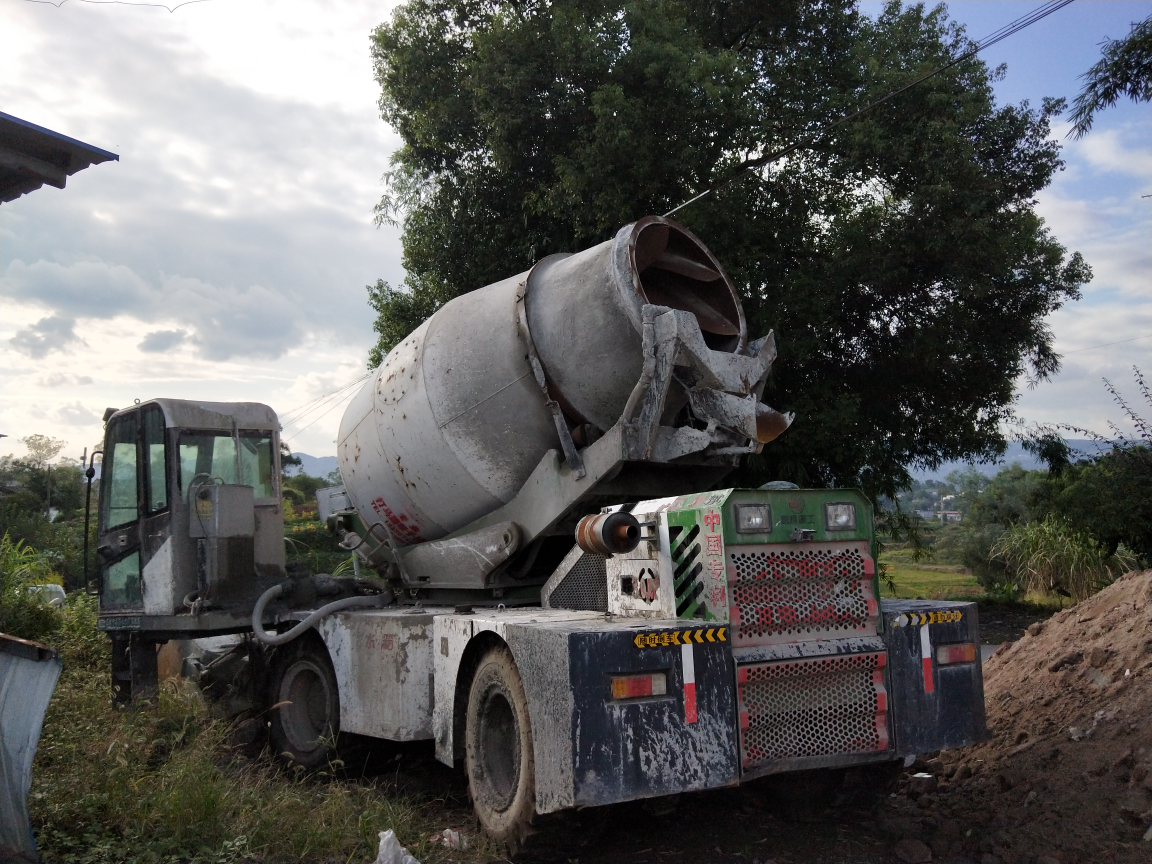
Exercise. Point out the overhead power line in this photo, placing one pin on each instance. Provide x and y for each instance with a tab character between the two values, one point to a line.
319	417
1106	344
1042	11
119	3
312	404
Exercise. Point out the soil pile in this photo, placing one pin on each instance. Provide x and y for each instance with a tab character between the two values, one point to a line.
1067	774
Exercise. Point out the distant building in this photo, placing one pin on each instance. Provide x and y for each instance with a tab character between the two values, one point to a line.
949	517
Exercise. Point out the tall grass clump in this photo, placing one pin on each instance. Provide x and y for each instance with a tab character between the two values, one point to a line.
23	612
1050	556
162	783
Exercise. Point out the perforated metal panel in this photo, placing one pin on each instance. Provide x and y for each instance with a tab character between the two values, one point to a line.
584	586
813	707
795	592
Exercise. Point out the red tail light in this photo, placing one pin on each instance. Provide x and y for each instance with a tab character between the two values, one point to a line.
637	686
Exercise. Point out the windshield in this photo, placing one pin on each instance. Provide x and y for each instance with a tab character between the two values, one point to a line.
214	454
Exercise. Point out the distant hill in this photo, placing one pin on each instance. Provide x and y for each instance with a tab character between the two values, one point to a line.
322	466
1014	454
314	466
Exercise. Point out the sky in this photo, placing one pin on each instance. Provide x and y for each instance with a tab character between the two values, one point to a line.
225	256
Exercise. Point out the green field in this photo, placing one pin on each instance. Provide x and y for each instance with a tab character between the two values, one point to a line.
924	579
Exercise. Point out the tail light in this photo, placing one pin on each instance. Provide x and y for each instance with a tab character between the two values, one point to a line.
963	653
638	686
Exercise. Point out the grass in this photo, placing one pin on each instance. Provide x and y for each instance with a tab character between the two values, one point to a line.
930	581
924	579
162	784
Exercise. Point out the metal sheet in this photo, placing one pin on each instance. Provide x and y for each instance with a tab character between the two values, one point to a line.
933	707
28	675
623	750
383	664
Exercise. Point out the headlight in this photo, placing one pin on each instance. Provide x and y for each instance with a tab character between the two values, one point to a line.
753	518
840	517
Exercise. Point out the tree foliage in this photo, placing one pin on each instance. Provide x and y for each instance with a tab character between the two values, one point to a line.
1124	69
42	449
898	259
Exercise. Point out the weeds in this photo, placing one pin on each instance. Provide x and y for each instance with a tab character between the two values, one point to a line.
163	784
1051	557
24	613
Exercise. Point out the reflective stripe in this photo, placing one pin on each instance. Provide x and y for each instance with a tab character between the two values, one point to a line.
926	659
689	683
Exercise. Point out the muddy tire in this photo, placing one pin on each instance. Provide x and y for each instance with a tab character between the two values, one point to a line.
305	717
498	751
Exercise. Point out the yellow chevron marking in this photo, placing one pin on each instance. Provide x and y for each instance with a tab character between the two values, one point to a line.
664	638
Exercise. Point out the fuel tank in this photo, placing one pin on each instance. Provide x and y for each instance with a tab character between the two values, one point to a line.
454	421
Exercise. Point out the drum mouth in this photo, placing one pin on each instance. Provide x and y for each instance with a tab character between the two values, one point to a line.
673	268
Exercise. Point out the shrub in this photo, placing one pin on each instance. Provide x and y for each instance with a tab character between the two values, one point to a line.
23	613
1050	556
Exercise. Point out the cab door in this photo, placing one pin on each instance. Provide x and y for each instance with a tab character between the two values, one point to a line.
119	526
133	521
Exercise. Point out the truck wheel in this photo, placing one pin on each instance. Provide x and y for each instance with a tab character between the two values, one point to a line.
498	751
305	718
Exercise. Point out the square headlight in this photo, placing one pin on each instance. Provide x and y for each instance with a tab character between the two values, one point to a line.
840	517
753	518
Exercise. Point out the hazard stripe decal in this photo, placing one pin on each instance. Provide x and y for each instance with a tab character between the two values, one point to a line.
916	619
689	683
926	658
676	637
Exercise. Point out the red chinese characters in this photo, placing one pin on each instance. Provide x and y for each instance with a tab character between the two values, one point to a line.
716	589
402	526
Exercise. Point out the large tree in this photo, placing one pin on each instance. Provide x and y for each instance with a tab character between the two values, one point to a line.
898	257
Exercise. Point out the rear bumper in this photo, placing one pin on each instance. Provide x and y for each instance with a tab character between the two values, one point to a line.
833	703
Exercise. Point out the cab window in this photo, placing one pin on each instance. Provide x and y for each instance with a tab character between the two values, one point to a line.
256	463
155	451
119	498
209	453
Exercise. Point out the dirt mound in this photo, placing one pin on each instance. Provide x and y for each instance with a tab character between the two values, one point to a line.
1067	774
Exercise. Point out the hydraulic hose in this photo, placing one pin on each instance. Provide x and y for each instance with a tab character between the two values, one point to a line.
324	611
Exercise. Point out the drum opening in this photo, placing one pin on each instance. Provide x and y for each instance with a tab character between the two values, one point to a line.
674	269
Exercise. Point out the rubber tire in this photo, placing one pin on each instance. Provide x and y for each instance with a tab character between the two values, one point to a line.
305	717
498	755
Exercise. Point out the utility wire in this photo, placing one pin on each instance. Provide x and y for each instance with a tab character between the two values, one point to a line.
333	399
119	3
1106	344
335	405
309	406
1042	11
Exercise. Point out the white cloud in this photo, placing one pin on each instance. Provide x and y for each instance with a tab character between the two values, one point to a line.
62	379
161	341
1107	150
93	289
46	336
75	414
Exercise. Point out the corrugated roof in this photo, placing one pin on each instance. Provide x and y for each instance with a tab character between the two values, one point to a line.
31	156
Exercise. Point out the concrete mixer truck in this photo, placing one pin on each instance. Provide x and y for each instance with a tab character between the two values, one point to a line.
553	586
